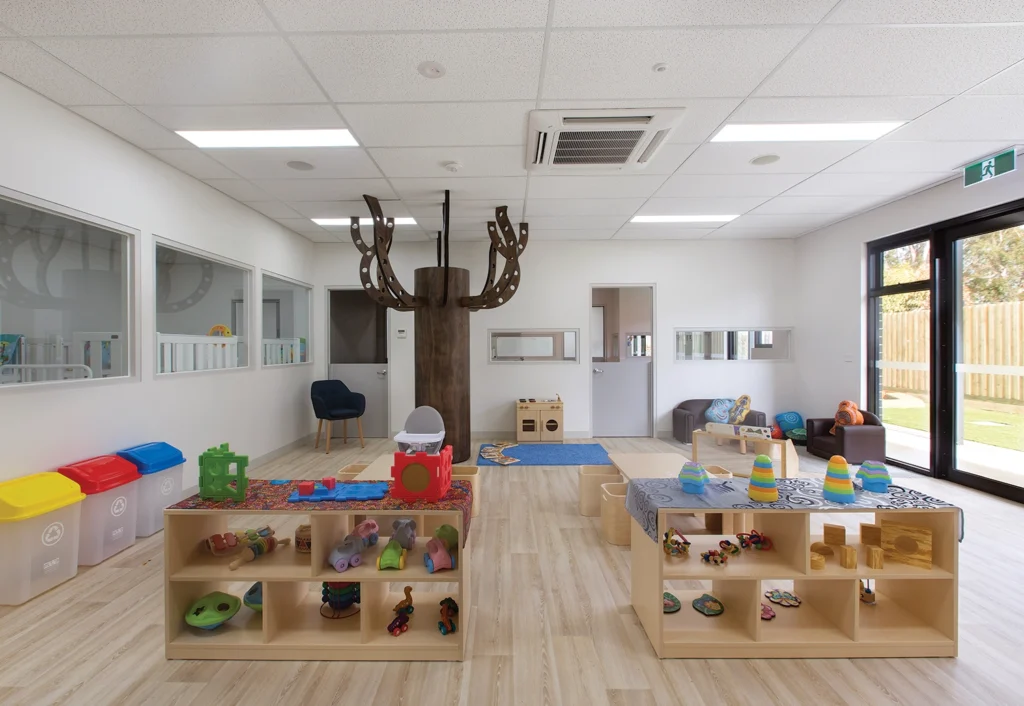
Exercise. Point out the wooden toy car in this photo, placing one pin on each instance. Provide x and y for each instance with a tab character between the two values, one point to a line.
399	625
368	530
393	556
437	556
449	609
347	554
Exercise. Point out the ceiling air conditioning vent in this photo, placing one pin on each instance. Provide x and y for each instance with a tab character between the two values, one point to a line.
597	141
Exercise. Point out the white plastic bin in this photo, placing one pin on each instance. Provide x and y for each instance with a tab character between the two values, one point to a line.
160	466
110	507
39	525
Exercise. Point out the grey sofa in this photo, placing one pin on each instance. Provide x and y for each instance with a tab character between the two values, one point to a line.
689	415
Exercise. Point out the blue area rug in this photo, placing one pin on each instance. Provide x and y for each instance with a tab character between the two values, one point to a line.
553	455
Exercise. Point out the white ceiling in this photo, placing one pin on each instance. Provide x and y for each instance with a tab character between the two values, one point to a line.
142	69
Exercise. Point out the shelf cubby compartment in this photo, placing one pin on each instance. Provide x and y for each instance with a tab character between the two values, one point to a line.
293	618
689	627
243	633
826	615
910	612
378	611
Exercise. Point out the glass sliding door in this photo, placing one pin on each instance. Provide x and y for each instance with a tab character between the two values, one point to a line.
988	404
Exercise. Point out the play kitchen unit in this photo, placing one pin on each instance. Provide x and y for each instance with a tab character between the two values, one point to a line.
539	420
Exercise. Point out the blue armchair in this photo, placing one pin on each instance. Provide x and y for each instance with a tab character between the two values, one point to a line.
333	401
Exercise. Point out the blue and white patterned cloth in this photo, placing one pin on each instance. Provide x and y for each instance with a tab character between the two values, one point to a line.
645	496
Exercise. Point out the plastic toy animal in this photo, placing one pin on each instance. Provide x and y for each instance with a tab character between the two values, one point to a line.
393	556
405	605
399	625
368	530
449	609
347	554
437	556
674	543
404	533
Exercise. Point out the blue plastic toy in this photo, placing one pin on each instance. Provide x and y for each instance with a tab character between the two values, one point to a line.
342	493
280	482
253	598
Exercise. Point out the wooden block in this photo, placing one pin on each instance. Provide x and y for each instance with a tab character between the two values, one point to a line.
870	535
822	548
848	556
817	561
907	544
875	557
835	534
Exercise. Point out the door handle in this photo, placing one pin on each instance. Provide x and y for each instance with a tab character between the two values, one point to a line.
382	373
598	371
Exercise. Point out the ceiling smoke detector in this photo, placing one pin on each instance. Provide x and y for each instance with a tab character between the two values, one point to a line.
765	159
659	68
300	166
452	166
431	69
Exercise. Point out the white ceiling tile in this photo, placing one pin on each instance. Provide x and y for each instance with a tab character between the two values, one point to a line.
865	184
658	13
382	67
273	209
463	235
244	117
701	116
793	221
195	163
432	224
429	124
133	126
787	205
598	223
543	235
347	209
755	234
479	210
329	162
796	157
345	233
876	61
30	65
1009	82
967	118
926	12
323	237
661	231
103	17
350	15
894	156
428	161
594	187
699	206
701	62
583	207
512	188
239	189
191	70
733	185
290	190
834	109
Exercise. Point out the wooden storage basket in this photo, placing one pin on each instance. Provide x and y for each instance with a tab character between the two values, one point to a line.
614	518
591	479
472	474
352	470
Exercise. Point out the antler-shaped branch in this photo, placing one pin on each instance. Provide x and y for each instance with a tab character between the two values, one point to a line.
498	289
388	290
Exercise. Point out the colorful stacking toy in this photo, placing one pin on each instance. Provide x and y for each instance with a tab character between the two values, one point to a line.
874	476
838	484
762	487
693	478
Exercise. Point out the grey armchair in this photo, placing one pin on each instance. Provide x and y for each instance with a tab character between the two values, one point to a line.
689	415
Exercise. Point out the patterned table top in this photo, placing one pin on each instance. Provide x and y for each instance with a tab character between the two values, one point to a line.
264	497
645	496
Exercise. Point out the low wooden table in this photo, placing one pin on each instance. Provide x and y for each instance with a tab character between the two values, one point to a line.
789	461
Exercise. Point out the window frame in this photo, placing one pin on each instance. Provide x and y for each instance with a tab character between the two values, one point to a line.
131	312
309	316
530	332
731	342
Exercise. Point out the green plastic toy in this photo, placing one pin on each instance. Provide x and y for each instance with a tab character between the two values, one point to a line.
216	480
449	535
212	610
393	556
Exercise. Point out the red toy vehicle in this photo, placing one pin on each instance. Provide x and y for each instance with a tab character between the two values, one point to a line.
399	625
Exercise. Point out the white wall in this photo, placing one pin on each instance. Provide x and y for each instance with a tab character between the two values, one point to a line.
831	285
53	154
697	284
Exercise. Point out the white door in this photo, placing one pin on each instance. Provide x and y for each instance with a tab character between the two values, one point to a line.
622	398
370	379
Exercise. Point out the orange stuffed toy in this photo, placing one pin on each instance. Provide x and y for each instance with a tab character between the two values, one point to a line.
848	415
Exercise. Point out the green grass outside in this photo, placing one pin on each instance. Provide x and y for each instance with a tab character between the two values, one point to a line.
1007	437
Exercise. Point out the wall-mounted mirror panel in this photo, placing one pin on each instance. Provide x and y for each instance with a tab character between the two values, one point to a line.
535	346
733	344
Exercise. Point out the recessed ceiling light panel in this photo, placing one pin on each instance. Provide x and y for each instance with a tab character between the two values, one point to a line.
225	139
362	221
682	219
804	132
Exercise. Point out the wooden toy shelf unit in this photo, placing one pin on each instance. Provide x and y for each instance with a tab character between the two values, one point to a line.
290	626
914	614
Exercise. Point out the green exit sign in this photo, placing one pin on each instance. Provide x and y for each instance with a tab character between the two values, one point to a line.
990	167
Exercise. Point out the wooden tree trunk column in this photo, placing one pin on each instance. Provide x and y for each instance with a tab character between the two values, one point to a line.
442	352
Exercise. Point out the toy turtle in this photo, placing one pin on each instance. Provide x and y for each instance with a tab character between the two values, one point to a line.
393	556
212	610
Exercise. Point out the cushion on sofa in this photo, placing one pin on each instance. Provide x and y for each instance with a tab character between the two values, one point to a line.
798	434
740	408
847	415
789	420
719	411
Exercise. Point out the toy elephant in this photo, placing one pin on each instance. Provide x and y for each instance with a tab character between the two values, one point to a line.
404	533
348	553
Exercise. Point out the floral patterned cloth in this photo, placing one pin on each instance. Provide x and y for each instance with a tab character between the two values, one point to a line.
262	496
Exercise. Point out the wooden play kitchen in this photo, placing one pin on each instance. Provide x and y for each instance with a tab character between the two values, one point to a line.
907	556
540	420
290	625
789	461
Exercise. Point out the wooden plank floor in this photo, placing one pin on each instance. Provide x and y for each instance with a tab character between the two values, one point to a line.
552	624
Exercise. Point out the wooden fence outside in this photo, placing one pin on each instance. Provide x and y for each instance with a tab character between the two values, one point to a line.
993	335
